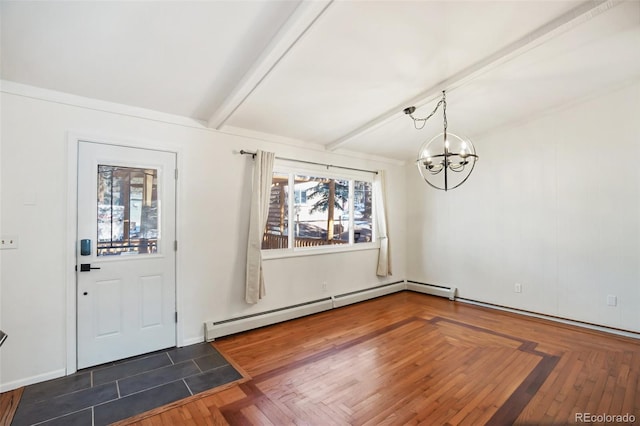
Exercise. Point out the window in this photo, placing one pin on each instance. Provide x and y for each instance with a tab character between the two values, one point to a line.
320	220
363	213
325	211
300	196
127	210
276	235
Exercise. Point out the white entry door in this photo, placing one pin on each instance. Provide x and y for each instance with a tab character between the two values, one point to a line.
125	254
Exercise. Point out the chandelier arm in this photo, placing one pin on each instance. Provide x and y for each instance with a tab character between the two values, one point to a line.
473	164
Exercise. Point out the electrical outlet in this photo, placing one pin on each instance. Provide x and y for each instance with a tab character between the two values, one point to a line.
9	242
324	286
612	300
517	288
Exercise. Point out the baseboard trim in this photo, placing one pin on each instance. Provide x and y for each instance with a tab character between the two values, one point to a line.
575	323
4	387
216	329
192	341
371	293
432	289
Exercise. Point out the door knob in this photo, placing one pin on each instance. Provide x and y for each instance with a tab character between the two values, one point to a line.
86	267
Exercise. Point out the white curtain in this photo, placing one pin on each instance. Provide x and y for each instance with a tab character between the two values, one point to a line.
261	193
384	255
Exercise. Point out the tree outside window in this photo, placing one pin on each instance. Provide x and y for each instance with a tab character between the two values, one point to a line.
326	211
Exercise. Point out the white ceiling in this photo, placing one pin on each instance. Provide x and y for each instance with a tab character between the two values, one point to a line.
335	73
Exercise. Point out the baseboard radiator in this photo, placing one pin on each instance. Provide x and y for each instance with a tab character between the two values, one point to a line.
360	296
434	290
215	329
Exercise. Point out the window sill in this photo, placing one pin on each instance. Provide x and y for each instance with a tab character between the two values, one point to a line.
315	251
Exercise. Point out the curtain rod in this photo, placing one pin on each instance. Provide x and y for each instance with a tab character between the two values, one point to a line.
253	154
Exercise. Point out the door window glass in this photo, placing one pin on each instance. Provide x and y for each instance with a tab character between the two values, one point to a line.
127	211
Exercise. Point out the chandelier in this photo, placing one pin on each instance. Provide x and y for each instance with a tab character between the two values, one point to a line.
446	160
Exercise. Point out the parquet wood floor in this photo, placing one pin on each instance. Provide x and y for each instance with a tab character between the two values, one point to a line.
409	358
8	405
415	359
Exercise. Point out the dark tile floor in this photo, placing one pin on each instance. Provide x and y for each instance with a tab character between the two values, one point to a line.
115	391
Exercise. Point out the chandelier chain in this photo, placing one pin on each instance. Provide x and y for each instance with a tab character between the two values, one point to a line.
424	120
444	111
443	103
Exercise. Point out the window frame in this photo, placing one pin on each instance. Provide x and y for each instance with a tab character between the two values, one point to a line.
291	169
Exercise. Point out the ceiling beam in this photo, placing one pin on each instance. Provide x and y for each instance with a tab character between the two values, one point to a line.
303	17
582	13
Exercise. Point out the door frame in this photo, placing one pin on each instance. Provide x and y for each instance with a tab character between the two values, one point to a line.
71	242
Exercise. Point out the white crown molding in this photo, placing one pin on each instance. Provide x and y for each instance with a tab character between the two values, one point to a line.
372	157
308	146
33	92
270	137
19	89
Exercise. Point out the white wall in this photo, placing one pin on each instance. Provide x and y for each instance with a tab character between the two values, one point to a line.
213	201
554	204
